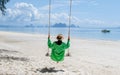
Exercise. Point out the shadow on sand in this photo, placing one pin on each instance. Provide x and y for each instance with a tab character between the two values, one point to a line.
49	70
6	55
13	58
8	51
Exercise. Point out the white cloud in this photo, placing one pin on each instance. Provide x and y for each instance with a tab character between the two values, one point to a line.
93	21
22	12
27	13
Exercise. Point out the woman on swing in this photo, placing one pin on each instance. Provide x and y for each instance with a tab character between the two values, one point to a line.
58	48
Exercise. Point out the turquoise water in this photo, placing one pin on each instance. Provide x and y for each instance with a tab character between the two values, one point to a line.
88	33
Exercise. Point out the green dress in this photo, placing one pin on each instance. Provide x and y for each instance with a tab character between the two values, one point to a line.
58	51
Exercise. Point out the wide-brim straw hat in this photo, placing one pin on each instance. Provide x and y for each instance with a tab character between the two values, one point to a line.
59	37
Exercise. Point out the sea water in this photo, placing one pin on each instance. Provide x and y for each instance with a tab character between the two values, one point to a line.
88	33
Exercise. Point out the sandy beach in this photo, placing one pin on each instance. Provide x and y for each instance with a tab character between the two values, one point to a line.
24	54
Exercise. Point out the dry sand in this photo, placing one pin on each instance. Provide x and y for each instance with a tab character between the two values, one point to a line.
24	54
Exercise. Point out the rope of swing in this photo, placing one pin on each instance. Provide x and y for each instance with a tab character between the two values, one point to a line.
70	17
69	24
49	24
49	16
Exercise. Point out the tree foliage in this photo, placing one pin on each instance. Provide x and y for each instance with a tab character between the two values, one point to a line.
2	6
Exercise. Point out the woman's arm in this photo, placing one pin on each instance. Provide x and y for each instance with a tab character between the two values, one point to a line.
49	42
68	44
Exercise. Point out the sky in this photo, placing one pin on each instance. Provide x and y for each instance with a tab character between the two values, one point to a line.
93	13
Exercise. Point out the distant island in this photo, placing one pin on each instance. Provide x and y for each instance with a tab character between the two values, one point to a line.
59	25
5	26
62	25
31	25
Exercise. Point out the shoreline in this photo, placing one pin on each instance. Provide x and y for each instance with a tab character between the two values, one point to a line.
89	57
